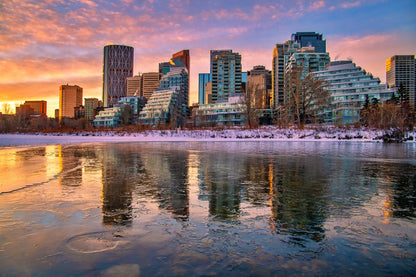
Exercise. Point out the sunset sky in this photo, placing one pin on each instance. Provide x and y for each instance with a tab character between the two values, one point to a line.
46	43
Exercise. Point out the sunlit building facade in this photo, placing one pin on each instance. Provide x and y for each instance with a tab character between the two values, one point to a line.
69	98
259	84
400	70
349	86
134	85
37	108
281	55
118	66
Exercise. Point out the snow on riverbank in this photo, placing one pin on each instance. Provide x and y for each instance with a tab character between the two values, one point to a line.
262	134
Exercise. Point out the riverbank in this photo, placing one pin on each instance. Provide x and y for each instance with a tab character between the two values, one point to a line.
261	134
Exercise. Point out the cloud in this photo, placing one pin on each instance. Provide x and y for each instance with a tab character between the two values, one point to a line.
317	5
371	51
347	5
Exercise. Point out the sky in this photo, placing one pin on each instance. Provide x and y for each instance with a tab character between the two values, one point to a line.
47	43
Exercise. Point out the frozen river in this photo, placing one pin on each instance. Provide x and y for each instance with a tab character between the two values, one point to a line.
208	208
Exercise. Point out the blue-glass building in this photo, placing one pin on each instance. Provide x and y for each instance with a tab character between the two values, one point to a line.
203	79
306	39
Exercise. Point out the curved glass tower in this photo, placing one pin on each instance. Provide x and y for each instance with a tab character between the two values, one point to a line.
118	65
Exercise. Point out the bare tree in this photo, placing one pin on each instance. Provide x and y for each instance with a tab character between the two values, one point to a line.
6	108
306	95
248	100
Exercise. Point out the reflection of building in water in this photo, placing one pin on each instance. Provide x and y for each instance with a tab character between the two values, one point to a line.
168	172
70	160
118	176
401	191
221	184
299	202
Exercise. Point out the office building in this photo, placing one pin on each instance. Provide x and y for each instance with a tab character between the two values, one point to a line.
33	108
134	85
118	65
349	87
143	85
179	59
226	74
69	98
259	85
164	67
310	39
400	71
204	78
150	82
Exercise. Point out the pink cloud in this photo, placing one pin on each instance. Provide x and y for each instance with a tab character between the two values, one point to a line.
370	52
347	5
317	5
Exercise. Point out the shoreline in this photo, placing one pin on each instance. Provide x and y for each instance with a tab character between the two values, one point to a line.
264	134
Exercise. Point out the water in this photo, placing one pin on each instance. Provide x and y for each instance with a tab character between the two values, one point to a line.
208	208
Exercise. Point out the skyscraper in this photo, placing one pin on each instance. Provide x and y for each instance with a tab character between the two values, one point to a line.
306	39
259	84
182	58
118	65
134	85
400	70
226	74
69	98
281	55
150	82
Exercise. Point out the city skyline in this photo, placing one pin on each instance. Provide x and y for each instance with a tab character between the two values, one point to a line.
50	43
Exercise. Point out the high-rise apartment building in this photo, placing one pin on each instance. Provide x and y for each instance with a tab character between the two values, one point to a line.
308	39
400	70
91	105
226	74
69	98
118	65
281	54
203	79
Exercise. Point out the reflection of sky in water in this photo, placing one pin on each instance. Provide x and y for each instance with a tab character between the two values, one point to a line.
225	208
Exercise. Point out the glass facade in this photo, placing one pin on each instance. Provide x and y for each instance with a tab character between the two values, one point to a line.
223	113
226	74
202	80
307	39
118	65
349	86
